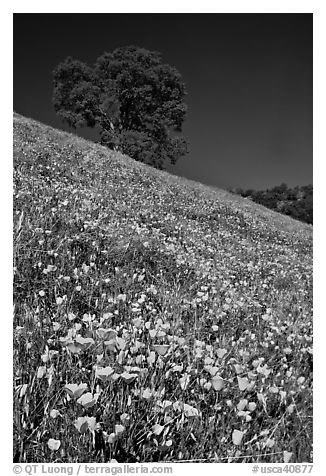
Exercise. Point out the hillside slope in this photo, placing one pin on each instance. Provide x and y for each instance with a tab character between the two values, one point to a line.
193	302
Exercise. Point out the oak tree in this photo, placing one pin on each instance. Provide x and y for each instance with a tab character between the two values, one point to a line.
134	99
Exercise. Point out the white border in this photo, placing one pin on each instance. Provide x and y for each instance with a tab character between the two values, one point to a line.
170	6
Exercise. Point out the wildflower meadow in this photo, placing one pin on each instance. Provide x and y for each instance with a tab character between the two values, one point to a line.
156	319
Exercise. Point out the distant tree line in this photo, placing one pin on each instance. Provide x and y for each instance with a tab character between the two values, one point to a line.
296	202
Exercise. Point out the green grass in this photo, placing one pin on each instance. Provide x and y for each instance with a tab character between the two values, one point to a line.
195	302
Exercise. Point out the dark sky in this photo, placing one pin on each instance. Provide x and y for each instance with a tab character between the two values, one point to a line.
248	76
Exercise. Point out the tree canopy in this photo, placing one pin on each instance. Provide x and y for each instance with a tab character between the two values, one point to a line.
133	98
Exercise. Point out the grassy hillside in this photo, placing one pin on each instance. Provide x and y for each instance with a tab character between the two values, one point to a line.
156	319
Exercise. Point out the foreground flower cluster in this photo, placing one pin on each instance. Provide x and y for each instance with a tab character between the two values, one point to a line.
156	319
